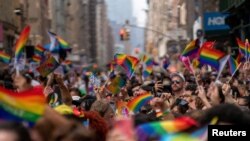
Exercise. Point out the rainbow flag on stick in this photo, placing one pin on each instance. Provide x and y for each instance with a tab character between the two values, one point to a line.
158	129
26	106
48	66
148	66
39	49
191	49
127	62
5	58
139	101
211	57
242	47
20	44
37	58
116	84
233	65
63	44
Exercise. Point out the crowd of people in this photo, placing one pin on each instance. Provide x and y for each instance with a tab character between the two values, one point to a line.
78	110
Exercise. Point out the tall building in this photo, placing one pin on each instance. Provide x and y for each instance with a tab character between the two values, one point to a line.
58	15
172	24
38	19
77	30
9	24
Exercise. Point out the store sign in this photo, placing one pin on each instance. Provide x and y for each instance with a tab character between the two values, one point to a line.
215	21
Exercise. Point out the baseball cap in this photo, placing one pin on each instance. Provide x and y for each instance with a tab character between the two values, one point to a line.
178	75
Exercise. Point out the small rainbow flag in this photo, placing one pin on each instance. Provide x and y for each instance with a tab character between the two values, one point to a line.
4	57
242	47
37	58
148	66
240	58
127	62
211	57
160	128
233	65
191	49
20	44
25	106
139	101
120	58
116	84
63	44
39	49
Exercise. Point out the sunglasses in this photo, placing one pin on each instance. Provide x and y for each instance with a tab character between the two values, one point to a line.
175	82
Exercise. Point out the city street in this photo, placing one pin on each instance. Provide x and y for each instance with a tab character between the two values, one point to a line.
124	70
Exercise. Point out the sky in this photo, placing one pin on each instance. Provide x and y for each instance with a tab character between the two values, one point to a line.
139	7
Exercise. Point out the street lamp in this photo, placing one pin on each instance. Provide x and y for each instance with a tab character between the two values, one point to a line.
20	12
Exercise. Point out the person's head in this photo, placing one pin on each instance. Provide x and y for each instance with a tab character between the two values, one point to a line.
215	94
11	131
177	82
226	114
22	80
244	101
75	92
104	109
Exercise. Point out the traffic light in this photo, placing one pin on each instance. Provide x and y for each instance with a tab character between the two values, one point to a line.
122	34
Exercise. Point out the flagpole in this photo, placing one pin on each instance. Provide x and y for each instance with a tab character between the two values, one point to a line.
234	73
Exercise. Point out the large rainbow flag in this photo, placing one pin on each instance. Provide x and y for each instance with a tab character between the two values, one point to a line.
160	128
25	106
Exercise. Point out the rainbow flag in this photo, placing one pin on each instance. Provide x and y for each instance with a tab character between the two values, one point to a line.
127	62
211	57
242	47
120	58
116	84
37	58
233	65
63	44
48	66
139	101
24	106
20	44
240	58
191	49
148	69
160	128
39	49
4	57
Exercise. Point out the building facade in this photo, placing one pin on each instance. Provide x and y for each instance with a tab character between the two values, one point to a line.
38	19
9	24
166	27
